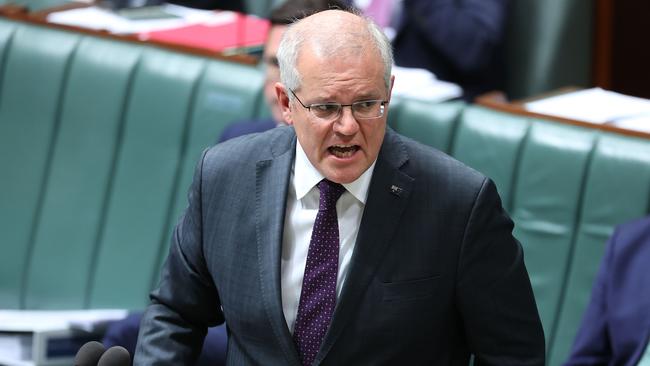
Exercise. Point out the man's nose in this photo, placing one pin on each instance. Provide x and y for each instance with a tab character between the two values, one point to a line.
346	124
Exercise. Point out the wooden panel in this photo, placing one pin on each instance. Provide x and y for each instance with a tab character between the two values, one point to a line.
621	55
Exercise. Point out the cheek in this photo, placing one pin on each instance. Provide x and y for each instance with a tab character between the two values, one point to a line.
312	138
374	137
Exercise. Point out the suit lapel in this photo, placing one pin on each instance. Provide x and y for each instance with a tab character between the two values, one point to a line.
388	196
272	182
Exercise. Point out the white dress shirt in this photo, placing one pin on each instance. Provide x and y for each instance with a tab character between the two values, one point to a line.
302	207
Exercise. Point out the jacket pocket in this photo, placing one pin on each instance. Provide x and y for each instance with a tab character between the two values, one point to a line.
409	290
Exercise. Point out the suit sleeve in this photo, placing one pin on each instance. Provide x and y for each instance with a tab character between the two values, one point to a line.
592	343
186	301
496	299
465	32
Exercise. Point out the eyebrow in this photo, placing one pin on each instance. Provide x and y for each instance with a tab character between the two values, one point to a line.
328	100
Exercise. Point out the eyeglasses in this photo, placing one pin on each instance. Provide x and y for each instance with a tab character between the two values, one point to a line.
363	109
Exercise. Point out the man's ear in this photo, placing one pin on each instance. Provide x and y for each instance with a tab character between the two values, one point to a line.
283	102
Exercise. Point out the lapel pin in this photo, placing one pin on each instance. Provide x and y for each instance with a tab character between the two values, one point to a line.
396	190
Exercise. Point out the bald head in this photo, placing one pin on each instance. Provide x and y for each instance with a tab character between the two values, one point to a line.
332	34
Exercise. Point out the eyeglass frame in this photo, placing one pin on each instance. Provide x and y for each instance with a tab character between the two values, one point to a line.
382	109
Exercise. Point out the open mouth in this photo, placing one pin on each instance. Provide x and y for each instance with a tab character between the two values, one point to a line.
343	151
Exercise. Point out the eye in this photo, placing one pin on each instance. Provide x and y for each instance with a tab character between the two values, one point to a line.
366	104
325	109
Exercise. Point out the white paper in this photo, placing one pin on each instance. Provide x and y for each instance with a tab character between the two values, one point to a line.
96	18
15	347
421	84
592	105
639	123
44	320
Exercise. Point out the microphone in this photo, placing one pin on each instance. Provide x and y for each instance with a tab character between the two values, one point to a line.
115	356
89	354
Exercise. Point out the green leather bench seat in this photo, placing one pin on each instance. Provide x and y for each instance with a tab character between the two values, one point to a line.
35	64
617	189
80	167
430	126
146	167
491	143
546	204
98	139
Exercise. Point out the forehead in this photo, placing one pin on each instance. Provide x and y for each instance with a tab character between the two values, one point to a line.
353	70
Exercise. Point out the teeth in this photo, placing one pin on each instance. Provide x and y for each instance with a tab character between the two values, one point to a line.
343	151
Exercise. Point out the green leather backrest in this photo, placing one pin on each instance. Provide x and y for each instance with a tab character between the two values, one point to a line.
616	190
35	5
155	132
546	197
34	71
7	29
430	123
72	212
98	141
261	8
227	93
490	142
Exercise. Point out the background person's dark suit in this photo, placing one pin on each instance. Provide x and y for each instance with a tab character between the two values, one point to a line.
245	127
615	329
461	41
435	270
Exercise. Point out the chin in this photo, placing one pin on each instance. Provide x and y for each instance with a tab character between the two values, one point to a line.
343	176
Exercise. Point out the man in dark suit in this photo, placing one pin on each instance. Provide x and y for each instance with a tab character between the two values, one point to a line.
461	41
616	326
415	263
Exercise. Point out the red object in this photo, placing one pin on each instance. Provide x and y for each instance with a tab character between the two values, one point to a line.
244	31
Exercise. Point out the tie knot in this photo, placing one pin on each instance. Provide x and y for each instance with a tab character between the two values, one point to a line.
329	194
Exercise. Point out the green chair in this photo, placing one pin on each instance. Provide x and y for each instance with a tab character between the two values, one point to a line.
143	184
617	190
490	142
261	8
430	123
33	78
227	93
36	5
7	29
72	212
547	191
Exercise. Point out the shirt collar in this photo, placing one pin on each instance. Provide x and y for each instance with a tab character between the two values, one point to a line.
309	177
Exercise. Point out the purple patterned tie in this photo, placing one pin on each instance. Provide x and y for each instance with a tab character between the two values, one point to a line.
318	295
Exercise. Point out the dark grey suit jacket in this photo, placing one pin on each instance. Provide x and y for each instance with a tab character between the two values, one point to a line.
436	273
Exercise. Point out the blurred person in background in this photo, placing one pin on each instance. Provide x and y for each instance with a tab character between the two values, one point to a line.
615	328
233	5
460	41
